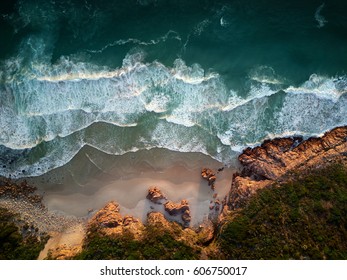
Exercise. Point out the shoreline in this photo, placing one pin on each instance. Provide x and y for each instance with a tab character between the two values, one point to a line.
126	179
270	163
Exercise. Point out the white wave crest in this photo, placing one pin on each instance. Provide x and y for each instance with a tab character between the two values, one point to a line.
319	18
170	35
55	110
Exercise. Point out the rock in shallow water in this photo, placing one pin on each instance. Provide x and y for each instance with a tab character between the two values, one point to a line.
155	195
176	209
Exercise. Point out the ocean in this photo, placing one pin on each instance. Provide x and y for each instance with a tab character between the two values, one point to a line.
122	77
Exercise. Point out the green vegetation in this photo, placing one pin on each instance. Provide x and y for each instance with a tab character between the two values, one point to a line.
156	244
13	244
303	219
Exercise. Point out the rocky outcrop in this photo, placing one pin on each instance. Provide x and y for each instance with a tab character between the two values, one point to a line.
276	159
109	216
179	209
206	232
63	252
176	208
210	176
155	195
109	221
157	219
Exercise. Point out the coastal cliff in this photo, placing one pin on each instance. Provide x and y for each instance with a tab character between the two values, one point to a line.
283	159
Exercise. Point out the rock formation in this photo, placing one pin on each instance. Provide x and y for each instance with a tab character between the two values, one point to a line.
176	209
276	159
210	176
206	232
157	219
155	195
63	252
109	221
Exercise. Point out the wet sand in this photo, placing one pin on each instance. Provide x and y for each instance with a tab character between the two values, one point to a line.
94	178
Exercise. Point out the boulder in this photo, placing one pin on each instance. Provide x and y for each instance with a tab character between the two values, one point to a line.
155	195
108	216
179	209
176	208
210	176
186	217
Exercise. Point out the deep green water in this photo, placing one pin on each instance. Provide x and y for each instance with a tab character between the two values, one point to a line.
189	76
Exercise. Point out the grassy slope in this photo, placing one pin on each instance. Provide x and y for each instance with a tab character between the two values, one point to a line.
157	244
303	219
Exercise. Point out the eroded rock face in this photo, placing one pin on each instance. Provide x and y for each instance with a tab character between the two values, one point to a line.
176	209
157	219
109	216
64	252
210	176
155	195
206	232
275	159
109	221
186	217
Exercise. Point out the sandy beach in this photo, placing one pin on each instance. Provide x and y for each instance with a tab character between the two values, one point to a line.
94	178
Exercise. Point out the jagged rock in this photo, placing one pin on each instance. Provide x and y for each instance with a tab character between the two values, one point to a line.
206	232
210	176
206	173
134	226
275	159
157	219
64	252
175	209
186	217
108	216
155	195
109	221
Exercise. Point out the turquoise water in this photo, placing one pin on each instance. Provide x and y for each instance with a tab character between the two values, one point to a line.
189	76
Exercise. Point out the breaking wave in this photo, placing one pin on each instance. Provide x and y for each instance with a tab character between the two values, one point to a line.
49	112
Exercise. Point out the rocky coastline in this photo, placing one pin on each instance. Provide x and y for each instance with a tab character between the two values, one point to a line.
282	159
274	162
